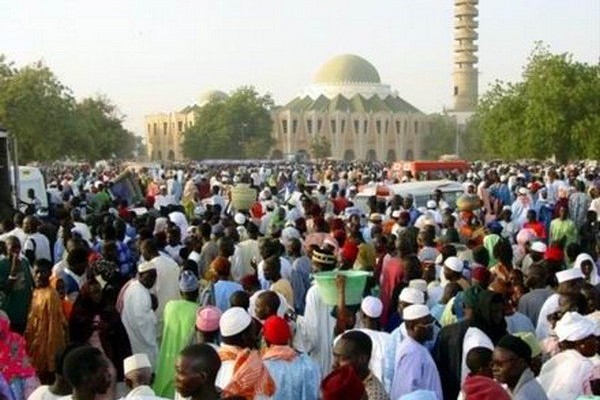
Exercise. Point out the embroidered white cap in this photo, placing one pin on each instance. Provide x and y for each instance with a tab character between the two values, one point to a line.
372	307
412	296
234	321
415	311
136	361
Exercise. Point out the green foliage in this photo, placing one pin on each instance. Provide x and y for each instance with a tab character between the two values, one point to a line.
442	137
320	147
553	111
49	124
236	127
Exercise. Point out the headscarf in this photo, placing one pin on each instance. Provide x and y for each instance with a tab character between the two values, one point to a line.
489	241
14	363
594	278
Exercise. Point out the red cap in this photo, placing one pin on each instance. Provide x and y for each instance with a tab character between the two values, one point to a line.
481	274
277	331
342	384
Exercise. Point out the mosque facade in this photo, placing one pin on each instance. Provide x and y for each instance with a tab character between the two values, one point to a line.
361	117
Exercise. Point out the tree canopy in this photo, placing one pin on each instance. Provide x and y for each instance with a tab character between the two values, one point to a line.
320	147
442	138
553	111
49	124
235	127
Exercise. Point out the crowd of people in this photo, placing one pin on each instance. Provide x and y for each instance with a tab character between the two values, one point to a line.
185	294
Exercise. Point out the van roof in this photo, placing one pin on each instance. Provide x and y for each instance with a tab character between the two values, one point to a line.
416	188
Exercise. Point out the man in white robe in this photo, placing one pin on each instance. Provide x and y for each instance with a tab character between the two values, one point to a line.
315	330
415	368
137	316
569	281
567	375
167	277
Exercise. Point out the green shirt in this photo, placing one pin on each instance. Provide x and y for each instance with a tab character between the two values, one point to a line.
15	301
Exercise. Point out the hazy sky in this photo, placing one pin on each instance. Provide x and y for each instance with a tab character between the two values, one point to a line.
149	56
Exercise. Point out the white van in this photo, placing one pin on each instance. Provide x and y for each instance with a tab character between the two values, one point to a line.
30	178
422	191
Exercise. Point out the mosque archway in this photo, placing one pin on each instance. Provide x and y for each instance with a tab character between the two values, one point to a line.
349	155
409	156
371	155
391	155
277	155
171	156
159	155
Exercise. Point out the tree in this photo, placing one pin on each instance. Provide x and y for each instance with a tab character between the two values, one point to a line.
320	147
49	124
100	131
441	138
236	127
553	111
37	109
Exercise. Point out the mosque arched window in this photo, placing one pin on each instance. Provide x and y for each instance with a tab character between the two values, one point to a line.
356	126
416	126
343	126
294	125
165	127
397	127
319	125
309	126
365	126
387	123
378	126
284	126
333	126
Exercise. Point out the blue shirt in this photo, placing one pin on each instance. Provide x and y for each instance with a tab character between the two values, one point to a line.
223	291
297	379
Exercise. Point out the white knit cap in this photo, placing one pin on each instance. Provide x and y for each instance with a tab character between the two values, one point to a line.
396	214
538	247
372	307
569	275
454	263
412	296
146	266
415	311
431	204
234	321
574	326
419	284
136	361
239	219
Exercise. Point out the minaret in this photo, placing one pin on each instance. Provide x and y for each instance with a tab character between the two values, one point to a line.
465	72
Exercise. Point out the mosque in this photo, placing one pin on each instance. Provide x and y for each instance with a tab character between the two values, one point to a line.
348	104
360	116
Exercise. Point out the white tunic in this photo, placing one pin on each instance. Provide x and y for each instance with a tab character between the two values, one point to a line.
315	330
167	284
139	320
